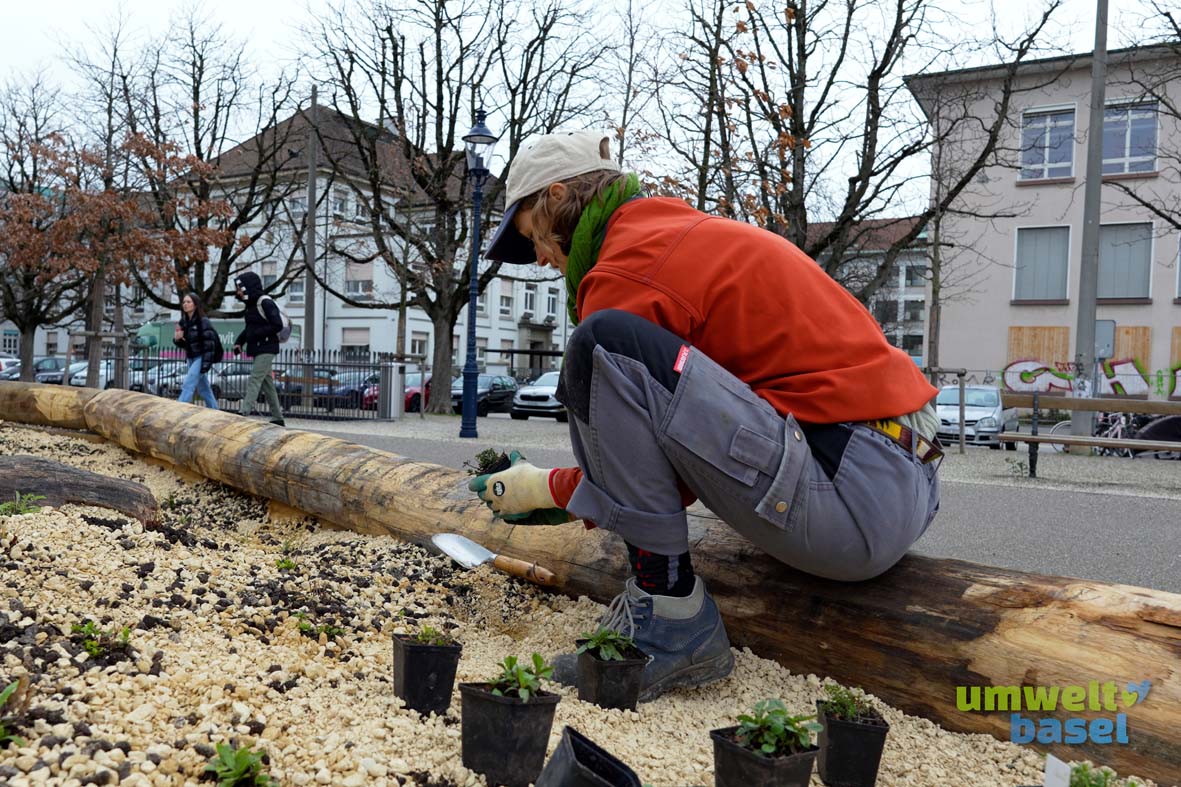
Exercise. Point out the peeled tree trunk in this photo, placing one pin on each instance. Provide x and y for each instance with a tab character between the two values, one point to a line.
912	636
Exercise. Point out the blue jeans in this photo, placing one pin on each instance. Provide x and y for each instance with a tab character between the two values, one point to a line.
195	381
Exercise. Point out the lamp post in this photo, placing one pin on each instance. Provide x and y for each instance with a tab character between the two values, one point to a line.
479	142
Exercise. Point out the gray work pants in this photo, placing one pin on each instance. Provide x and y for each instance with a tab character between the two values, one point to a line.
260	377
748	464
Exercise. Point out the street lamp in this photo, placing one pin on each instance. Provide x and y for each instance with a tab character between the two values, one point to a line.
479	146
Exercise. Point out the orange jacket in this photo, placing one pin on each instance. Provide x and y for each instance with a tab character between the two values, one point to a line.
756	305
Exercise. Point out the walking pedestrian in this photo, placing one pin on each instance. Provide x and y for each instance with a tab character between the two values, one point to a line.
260	338
196	336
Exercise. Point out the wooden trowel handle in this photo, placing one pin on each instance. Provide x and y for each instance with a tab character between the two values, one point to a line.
529	571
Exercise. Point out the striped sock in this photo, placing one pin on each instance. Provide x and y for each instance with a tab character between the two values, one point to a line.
661	575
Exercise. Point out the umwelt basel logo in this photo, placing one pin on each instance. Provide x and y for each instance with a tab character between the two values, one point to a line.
1025	704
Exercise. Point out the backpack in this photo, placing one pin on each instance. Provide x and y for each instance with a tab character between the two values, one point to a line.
285	331
219	352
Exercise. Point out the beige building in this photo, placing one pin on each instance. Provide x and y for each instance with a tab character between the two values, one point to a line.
1010	250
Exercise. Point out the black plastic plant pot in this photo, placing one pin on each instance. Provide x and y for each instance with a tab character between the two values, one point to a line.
424	674
737	766
580	762
504	738
850	751
611	684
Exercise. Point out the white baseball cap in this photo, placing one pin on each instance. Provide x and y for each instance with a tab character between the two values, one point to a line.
541	161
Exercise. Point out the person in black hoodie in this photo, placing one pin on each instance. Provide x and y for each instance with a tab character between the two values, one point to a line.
261	340
198	339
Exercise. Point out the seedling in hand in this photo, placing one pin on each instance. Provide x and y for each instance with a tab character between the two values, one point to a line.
489	461
772	733
518	681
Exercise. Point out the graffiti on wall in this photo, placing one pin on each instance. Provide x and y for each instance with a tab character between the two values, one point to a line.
1122	377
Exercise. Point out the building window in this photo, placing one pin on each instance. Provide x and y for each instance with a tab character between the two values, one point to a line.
481	350
298	206
1129	138
1125	259
551	302
912	343
916	276
913	311
1042	254
506	358
358	280
11	342
482	302
1047	144
418	343
506	306
295	291
269	273
340	202
354	341
51	343
531	298
885	312
454	350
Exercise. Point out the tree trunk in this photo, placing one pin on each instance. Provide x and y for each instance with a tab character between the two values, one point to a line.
28	337
94	324
442	370
59	484
910	636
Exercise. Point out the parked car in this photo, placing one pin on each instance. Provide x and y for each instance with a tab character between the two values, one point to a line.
9	361
494	393
171	383
56	375
232	379
539	398
41	366
346	389
416	395
986	421
289	382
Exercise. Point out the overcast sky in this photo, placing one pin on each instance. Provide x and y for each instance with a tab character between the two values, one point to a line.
35	29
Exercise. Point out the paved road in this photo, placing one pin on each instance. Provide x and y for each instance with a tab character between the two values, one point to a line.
1094	535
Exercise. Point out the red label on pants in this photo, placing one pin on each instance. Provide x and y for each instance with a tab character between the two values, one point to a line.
682	356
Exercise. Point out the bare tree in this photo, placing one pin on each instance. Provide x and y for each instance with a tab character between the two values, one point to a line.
405	82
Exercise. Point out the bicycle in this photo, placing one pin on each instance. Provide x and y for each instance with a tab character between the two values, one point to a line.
1119	426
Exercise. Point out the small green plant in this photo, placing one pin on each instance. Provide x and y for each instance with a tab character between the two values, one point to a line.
21	504
488	461
285	564
606	644
310	629
169	502
772	733
6	736
842	703
1083	775
432	636
1017	467
238	767
519	681
96	642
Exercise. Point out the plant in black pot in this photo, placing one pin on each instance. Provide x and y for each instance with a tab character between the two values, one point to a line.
851	739
506	723
424	669
610	668
768	747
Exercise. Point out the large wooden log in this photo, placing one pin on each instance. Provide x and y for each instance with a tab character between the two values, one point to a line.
44	405
911	636
58	484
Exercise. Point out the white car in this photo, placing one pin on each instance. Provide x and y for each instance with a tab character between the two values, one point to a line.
539	398
986	421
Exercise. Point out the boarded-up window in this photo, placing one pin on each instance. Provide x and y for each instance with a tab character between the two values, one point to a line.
358	279
1042	254
354	341
1125	258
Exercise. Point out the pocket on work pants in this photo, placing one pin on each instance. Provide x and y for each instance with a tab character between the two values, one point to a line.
732	447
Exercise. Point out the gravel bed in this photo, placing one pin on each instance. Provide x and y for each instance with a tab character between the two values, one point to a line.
225	645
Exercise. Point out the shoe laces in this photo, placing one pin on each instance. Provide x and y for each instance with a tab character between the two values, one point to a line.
620	615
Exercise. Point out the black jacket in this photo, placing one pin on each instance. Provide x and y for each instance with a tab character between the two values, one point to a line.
261	334
199	340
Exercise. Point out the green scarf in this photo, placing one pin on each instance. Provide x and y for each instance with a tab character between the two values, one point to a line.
588	236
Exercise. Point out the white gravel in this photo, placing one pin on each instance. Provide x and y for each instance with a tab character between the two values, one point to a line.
218	654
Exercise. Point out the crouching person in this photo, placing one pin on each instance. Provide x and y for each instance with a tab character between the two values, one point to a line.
712	360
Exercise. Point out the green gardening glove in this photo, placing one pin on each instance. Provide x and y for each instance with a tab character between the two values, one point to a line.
540	516
521	489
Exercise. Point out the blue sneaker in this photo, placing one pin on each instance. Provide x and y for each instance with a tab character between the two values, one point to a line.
684	638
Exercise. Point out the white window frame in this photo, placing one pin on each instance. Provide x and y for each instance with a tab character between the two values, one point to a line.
482	302
1151	255
268	278
51	342
11	341
506	305
1047	110
481	349
1069	258
298	206
358	288
551	302
295	290
1126	160
531	298
340	202
420	337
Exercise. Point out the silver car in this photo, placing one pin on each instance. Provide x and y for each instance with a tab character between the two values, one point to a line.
538	398
986	421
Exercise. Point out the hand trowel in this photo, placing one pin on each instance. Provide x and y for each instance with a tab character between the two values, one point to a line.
469	554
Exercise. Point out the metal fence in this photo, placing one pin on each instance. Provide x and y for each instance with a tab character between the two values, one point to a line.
322	384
